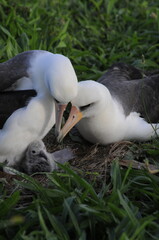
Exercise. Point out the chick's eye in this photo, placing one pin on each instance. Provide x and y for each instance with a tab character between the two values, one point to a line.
82	108
33	151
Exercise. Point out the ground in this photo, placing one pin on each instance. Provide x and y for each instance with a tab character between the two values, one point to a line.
91	161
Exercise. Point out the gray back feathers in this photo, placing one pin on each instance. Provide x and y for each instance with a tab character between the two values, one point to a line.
135	92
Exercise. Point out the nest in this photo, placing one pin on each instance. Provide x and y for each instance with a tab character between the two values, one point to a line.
92	162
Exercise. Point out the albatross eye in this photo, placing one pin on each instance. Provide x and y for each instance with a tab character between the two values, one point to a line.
56	100
82	108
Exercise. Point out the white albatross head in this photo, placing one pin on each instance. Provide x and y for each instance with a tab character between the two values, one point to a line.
61	79
62	84
89	102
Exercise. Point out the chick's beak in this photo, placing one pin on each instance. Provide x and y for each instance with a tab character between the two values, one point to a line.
60	108
43	155
74	117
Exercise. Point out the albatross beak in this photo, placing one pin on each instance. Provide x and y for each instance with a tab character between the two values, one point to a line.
60	108
74	117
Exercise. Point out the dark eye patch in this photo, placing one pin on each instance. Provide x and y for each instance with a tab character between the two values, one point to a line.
85	107
56	100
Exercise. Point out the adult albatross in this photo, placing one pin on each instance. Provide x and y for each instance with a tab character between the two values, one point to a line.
53	78
121	105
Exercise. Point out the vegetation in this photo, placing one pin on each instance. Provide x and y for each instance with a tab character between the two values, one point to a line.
93	34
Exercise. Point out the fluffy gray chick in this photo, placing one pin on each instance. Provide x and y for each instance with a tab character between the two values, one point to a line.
37	158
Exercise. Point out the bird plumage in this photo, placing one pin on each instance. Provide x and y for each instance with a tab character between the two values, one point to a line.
136	93
53	78
10	101
37	159
117	107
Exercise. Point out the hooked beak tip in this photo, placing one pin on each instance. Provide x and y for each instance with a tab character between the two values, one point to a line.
61	136
57	132
59	139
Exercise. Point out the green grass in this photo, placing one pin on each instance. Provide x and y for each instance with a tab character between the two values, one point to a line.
93	34
70	208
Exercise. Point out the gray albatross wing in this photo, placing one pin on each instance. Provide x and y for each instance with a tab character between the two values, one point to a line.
10	101
14	69
11	71
135	92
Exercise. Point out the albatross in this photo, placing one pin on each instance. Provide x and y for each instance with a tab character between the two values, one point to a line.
52	83
121	105
37	159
